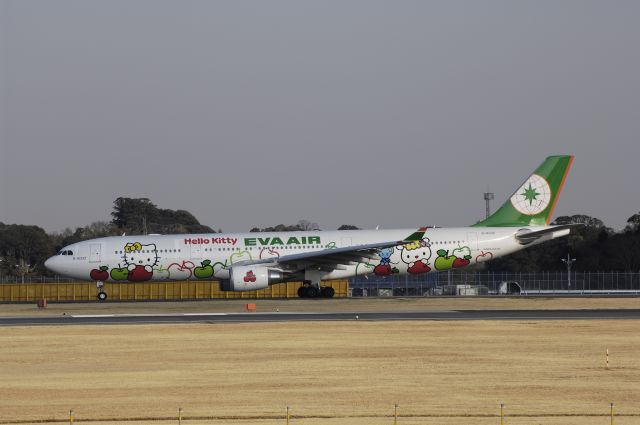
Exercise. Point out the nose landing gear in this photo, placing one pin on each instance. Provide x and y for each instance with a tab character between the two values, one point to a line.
102	296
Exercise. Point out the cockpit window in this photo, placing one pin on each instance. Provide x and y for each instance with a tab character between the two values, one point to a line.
67	252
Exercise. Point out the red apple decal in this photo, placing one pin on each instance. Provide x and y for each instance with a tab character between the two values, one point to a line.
99	274
250	277
139	274
181	271
382	270
484	256
268	253
419	267
461	262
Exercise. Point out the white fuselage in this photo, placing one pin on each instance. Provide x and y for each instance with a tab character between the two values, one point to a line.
210	256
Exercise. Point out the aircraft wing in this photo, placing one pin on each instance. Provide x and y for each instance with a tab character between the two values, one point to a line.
336	258
526	236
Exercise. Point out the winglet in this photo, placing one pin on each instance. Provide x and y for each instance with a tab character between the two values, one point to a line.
416	236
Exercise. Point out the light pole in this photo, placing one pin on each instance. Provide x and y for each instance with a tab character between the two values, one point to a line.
488	197
568	261
23	268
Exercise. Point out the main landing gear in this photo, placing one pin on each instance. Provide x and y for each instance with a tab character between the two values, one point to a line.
311	291
311	287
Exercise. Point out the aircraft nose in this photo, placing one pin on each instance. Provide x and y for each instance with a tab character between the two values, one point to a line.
52	264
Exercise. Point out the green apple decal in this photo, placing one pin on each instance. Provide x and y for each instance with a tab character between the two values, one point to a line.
462	252
120	273
240	256
160	273
444	260
204	271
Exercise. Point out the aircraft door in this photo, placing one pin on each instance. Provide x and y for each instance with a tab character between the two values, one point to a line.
196	251
95	251
472	238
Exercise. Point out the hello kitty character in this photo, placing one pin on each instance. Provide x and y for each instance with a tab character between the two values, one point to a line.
416	255
140	260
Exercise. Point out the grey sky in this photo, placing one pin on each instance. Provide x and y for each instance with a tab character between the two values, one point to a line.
395	113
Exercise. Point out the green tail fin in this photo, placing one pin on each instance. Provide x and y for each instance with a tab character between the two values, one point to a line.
534	201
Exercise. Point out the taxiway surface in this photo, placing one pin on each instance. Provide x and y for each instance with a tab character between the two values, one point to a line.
219	318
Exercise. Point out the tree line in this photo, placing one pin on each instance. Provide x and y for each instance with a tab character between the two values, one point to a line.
595	247
23	248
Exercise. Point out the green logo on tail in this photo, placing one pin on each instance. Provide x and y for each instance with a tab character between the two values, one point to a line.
533	197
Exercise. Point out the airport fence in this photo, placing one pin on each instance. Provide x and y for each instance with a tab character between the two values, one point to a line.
522	415
434	284
147	291
520	283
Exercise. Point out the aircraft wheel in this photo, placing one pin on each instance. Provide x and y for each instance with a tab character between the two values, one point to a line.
328	292
303	292
312	292
102	296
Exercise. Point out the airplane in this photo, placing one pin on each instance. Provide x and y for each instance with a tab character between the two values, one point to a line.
252	261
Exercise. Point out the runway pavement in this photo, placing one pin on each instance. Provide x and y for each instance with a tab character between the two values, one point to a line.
221	318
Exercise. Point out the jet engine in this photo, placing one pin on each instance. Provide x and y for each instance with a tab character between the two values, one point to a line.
250	278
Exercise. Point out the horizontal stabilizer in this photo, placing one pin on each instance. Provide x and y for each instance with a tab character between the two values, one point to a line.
526	236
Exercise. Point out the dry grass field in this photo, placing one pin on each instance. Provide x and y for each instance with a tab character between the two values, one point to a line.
547	372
